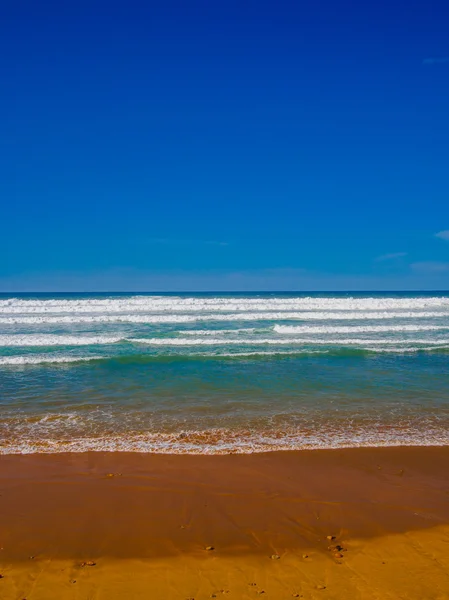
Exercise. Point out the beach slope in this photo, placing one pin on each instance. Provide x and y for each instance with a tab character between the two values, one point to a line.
356	523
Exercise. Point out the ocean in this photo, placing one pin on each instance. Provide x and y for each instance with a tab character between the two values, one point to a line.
222	373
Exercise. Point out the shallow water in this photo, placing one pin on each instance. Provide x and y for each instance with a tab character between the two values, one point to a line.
208	373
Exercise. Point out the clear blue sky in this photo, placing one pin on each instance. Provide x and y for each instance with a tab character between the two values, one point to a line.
224	145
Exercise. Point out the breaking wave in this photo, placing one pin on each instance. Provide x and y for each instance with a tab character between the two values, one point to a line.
243	316
45	359
227	304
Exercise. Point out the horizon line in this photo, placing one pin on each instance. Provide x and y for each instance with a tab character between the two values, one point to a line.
380	291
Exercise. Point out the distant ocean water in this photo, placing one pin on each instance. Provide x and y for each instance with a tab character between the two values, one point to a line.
219	373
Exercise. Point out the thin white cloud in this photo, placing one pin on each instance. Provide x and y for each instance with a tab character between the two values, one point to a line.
182	242
443	235
391	256
430	266
436	60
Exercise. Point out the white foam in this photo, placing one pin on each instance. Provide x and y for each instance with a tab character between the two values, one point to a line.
218	331
266	353
288	329
42	359
229	304
428	347
247	316
55	340
279	341
92	319
229	441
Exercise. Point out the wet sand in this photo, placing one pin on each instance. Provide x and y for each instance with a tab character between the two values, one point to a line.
180	527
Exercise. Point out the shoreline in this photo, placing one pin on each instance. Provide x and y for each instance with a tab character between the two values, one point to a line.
224	452
136	514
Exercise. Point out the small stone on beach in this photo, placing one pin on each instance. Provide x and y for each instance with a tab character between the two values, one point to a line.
210	548
88	563
305	556
330	537
275	557
320	587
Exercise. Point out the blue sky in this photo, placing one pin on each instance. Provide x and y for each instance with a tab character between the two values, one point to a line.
224	145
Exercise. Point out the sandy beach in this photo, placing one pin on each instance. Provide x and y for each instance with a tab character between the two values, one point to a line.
355	523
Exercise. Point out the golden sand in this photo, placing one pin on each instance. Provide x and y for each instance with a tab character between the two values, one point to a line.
352	524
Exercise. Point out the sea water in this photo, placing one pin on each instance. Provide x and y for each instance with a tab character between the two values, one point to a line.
222	373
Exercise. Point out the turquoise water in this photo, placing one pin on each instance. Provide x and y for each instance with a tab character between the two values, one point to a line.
205	373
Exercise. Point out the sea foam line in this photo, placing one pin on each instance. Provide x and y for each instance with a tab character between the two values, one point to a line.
279	341
289	329
173	304
244	316
56	340
43	359
228	441
218	331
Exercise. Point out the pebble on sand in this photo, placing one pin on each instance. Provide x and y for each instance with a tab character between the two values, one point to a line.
88	563
210	548
305	556
275	557
330	537
320	587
